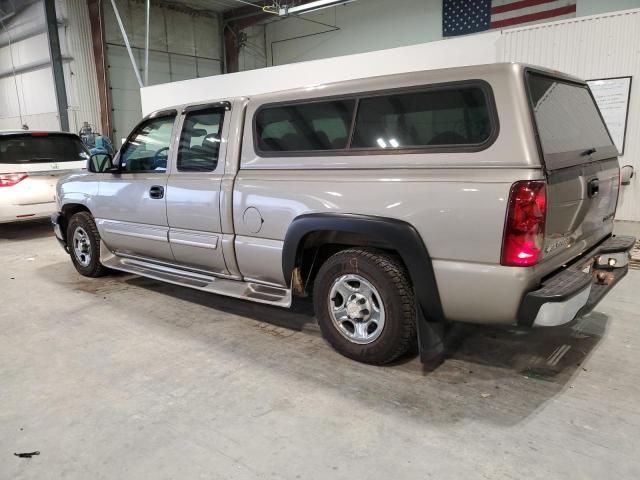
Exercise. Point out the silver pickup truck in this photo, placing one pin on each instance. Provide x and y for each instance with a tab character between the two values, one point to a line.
401	203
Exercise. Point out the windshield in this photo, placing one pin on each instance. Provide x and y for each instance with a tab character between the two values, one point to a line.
569	124
41	148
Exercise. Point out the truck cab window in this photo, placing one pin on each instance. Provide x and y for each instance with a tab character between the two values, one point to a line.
200	141
147	150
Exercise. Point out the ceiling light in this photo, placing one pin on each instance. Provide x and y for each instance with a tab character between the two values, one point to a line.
310	7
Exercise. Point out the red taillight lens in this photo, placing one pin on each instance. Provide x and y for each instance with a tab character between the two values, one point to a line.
10	179
524	229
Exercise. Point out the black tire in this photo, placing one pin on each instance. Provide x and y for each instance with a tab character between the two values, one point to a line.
391	280
88	266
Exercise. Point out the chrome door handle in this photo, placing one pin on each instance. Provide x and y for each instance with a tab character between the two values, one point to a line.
156	191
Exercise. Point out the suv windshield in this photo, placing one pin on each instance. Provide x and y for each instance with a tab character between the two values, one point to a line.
569	124
41	148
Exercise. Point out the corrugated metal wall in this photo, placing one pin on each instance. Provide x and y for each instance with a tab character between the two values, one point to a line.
590	48
29	96
181	46
80	71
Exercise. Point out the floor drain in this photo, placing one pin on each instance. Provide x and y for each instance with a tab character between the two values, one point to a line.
635	257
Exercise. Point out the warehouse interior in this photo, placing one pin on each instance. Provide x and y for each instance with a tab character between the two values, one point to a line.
128	376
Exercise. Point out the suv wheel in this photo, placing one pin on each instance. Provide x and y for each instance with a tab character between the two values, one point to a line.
365	306
83	240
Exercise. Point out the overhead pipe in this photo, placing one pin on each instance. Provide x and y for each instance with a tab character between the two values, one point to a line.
28	33
31	67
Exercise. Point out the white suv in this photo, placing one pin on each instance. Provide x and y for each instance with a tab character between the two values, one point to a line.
30	165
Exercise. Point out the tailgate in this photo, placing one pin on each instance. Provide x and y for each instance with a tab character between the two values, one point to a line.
581	165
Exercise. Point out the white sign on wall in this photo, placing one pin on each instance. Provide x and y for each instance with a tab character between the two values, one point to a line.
612	96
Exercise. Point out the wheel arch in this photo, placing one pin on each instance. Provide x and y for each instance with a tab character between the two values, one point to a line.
67	211
313	230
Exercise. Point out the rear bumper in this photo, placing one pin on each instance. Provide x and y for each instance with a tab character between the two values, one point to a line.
56	220
577	289
16	213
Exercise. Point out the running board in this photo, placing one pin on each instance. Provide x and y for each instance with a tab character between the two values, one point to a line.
255	292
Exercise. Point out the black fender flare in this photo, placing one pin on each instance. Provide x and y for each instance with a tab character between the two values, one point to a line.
387	232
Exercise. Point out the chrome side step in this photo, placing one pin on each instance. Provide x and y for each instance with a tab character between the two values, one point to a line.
255	292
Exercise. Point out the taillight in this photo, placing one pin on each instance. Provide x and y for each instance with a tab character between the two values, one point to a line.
10	179
523	239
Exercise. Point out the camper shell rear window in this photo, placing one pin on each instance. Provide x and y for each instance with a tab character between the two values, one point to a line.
569	126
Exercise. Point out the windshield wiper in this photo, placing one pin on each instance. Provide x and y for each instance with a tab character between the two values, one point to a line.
42	159
588	152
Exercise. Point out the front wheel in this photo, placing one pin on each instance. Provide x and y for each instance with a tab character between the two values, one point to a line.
365	305
83	241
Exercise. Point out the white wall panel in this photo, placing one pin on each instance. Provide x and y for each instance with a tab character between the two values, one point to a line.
180	33
182	46
183	68
252	54
33	84
29	94
207	68
590	47
594	7
125	90
365	25
207	38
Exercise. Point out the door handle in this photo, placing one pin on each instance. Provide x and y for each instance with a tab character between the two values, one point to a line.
156	191
593	188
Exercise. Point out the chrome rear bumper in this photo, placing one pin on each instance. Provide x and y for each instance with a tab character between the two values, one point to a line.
577	289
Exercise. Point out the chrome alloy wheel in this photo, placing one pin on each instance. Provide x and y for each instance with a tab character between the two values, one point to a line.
356	309
82	247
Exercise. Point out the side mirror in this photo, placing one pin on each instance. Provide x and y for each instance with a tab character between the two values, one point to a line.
100	163
626	174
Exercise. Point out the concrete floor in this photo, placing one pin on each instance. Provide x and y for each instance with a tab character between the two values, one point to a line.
123	377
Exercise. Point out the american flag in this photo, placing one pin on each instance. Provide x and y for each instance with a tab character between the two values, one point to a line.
460	17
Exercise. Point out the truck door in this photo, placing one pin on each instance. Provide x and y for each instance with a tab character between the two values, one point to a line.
193	189
131	212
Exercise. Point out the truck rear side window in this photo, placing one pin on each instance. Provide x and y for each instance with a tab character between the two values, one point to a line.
569	124
456	116
450	116
314	126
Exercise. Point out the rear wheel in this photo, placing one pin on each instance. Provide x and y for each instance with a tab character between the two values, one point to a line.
365	305
83	241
